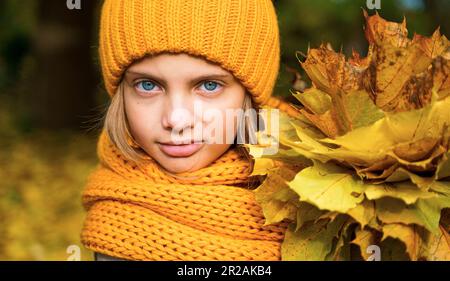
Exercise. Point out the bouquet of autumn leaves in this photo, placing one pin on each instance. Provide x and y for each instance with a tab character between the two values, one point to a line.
365	159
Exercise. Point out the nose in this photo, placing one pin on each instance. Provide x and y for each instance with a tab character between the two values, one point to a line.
177	112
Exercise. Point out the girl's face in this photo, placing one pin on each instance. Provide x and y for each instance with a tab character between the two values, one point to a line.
168	101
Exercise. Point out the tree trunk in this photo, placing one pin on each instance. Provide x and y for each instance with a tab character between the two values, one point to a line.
62	92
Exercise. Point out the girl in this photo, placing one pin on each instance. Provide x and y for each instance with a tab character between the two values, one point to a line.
164	189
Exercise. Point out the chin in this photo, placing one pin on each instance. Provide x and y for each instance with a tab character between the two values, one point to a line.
198	160
180	165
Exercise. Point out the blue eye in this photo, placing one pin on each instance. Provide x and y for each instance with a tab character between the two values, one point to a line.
145	86
211	85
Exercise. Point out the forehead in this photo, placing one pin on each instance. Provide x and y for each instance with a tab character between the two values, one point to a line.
176	64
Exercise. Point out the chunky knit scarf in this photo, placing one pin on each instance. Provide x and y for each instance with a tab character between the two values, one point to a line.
143	213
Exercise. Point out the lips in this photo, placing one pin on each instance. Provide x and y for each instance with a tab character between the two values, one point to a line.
180	150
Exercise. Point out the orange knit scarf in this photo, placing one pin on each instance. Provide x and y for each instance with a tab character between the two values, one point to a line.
146	214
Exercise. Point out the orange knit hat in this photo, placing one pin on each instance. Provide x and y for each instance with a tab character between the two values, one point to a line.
241	36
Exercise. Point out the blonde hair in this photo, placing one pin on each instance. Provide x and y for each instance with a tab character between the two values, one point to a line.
117	127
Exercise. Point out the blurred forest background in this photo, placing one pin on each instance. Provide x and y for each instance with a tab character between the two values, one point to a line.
52	101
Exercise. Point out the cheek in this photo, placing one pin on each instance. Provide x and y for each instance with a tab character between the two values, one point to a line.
142	120
229	108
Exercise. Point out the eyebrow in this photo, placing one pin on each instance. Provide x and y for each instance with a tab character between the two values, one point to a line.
198	78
